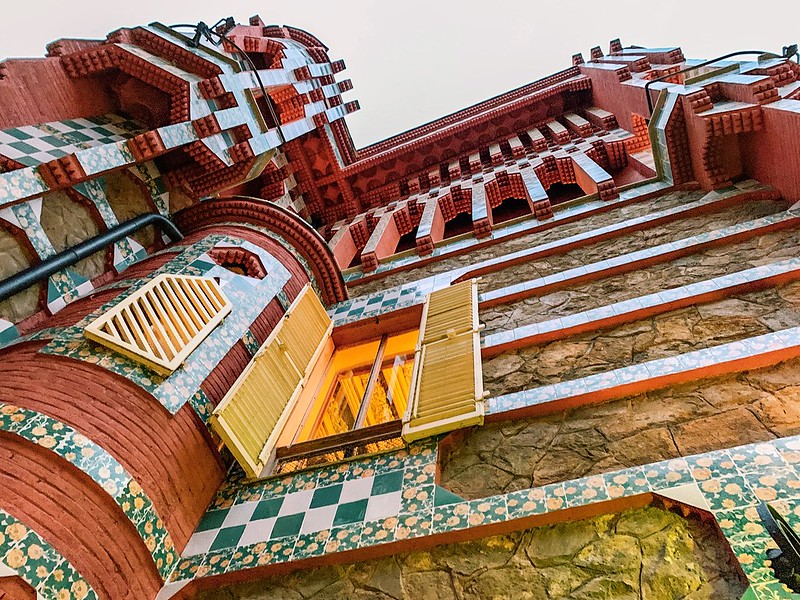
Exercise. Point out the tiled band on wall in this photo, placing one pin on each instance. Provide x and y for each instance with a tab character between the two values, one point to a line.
258	525
637	308
641	258
24	553
103	468
712	201
750	353
636	193
414	292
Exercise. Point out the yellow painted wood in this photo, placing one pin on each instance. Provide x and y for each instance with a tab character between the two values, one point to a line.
447	387
251	415
162	322
449	311
447	381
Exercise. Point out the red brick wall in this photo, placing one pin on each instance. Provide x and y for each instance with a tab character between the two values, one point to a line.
78	518
172	457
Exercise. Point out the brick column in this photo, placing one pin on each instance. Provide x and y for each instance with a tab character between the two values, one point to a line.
381	243
592	178
481	215
431	224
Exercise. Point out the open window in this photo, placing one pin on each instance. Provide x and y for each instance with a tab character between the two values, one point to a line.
303	401
355	404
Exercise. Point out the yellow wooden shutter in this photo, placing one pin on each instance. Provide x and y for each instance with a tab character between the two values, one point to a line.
162	322
447	383
450	310
251	414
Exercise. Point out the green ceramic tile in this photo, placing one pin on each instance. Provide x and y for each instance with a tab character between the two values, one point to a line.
386	483
227	537
212	520
351	512
267	508
288	525
326	496
443	497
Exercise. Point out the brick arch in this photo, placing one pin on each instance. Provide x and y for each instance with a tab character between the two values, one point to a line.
16	588
506	186
307	242
78	518
172	457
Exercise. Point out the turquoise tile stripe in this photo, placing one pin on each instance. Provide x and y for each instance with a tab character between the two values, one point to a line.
729	483
103	468
39	564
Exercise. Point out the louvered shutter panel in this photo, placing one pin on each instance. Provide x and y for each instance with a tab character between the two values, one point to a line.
453	309
447	383
251	414
162	322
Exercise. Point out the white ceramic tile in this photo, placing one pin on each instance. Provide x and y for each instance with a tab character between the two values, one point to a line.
170	589
356	489
239	514
200	542
385	505
317	519
296	502
688	494
257	531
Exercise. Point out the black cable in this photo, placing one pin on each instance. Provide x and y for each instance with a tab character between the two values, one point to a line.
787	52
203	30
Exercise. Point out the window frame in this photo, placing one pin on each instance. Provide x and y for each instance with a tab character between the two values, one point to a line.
358	434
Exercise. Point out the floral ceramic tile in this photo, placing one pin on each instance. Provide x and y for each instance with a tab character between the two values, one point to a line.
487	510
710	465
727	492
668	473
626	483
413	525
450	517
585	491
774	483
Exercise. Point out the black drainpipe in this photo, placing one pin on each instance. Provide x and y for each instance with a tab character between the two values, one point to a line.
28	277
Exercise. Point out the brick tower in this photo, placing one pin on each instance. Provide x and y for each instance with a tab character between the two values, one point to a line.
543	347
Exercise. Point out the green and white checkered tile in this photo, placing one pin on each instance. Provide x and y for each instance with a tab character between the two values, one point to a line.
32	145
8	332
307	511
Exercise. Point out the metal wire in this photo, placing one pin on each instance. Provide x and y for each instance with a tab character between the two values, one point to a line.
201	30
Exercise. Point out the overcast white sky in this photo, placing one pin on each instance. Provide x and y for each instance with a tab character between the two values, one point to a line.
412	61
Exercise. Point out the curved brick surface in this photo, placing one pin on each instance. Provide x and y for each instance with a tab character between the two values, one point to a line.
172	457
78	518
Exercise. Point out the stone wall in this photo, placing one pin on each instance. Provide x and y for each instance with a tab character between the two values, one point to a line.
641	554
687	419
711	263
67	223
637	240
128	199
664	335
13	259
